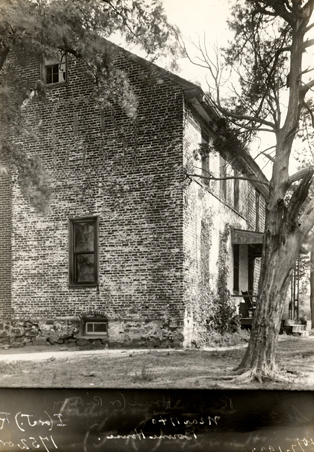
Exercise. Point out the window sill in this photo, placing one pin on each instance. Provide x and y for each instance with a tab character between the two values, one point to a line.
96	336
82	286
55	85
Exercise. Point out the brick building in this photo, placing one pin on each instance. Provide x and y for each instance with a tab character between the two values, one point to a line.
128	239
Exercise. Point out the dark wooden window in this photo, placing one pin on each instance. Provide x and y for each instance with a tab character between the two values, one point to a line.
205	169
83	252
205	159
55	70
223	182
236	192
257	203
236	267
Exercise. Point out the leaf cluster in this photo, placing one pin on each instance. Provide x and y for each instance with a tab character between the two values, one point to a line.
259	56
229	138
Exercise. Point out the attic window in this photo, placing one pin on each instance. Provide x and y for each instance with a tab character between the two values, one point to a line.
55	69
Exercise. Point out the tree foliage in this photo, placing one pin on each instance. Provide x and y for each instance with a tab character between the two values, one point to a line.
39	28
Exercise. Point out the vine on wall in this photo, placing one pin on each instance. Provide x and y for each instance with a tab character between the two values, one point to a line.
212	306
225	320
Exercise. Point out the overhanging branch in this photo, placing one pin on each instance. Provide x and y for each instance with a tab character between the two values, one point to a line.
264	153
310	112
227	178
309	28
278	8
308	43
298	198
305	88
306	220
300	175
253	119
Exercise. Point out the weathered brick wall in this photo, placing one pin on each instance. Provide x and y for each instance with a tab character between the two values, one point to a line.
101	162
5	246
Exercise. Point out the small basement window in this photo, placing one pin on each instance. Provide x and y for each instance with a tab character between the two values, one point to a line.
96	328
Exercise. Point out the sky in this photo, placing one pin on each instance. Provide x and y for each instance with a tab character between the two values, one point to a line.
208	19
199	18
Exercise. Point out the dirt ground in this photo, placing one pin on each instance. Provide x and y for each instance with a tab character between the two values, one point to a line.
211	368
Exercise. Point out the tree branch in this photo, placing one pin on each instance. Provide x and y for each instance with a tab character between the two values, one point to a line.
300	175
309	28
306	220
279	10
305	88
310	112
253	119
264	153
306	44
299	196
229	177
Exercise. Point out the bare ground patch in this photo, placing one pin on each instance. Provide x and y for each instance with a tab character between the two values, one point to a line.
159	369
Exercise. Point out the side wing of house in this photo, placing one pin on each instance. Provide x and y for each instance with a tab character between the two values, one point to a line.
223	228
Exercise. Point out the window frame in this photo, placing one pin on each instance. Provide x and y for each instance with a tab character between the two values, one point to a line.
205	169
223	181
236	192
54	61
72	261
236	267
95	333
257	212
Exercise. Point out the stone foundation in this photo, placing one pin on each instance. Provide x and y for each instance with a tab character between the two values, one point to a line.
69	333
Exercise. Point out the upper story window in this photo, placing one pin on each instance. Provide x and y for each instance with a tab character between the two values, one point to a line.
83	252
55	69
257	207
236	192
205	160
236	267
205	169
223	181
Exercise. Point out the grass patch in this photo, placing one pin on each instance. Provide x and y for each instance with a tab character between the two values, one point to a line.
216	339
10	368
145	375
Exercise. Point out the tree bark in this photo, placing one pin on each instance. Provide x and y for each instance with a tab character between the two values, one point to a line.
277	264
312	286
283	236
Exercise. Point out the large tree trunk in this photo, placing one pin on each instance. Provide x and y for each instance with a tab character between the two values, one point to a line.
312	286
259	359
283	237
282	242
